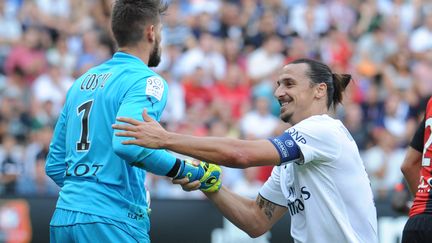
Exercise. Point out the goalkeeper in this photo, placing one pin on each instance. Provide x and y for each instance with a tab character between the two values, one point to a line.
102	197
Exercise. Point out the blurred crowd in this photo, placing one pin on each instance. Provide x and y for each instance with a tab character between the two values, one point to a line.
220	58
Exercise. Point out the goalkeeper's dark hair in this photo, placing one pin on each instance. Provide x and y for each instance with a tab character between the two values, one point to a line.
320	73
129	17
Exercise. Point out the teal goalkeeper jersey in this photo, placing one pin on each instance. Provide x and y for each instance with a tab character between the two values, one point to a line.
97	174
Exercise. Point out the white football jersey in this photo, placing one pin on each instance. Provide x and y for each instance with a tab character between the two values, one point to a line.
328	194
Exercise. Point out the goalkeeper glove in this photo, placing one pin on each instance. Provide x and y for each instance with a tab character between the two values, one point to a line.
207	174
210	181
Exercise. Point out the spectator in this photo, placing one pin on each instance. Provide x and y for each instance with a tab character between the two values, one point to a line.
15	106
233	53
174	112
80	19
418	42
342	15
52	86
196	90
10	34
397	73
233	92
422	73
259	122
174	31
395	118
309	21
248	185
382	163
28	55
373	49
266	27
38	183
402	12
61	55
268	58
10	165
369	18
352	119
94	52
336	50
230	23
206	56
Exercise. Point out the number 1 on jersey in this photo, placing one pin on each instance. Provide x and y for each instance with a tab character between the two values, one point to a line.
83	144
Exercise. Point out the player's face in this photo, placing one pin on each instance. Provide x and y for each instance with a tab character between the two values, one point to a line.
294	93
155	54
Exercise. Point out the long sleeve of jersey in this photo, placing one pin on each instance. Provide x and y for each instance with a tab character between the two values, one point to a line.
55	166
137	98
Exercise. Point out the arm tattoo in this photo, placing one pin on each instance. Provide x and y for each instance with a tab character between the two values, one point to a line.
266	205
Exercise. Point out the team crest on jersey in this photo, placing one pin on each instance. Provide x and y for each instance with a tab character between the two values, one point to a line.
155	87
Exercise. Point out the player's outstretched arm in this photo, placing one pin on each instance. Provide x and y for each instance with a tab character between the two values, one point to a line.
223	151
253	217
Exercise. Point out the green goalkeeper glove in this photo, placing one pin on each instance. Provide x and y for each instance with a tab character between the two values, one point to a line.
208	174
210	181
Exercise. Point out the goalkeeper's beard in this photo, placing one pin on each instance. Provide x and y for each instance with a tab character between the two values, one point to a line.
155	55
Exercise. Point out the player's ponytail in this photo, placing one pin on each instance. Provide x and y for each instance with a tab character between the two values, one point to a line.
340	82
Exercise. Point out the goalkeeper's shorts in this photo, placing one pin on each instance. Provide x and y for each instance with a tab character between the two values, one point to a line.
72	227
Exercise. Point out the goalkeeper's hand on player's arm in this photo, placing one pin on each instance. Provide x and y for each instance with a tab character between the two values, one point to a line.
207	181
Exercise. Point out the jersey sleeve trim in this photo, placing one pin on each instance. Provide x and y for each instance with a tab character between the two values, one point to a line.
280	205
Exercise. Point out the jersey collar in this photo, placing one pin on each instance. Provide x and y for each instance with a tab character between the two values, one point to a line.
130	58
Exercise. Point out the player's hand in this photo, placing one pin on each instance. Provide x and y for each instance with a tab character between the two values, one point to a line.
186	185
209	181
148	133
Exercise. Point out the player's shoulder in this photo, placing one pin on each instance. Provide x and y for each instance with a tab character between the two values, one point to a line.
142	72
321	127
152	75
317	122
155	86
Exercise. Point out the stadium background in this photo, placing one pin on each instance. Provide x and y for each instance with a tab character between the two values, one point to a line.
219	58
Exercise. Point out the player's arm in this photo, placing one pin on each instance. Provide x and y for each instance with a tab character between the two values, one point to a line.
158	162
253	217
412	162
55	166
222	151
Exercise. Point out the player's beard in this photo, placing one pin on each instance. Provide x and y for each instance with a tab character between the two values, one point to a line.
285	115
155	55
